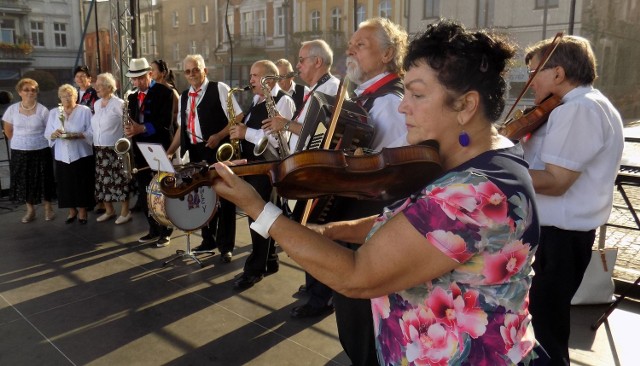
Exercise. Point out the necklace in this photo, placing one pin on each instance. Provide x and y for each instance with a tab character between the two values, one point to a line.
28	109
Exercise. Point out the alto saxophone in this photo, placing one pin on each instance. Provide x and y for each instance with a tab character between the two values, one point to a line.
231	150
122	147
283	145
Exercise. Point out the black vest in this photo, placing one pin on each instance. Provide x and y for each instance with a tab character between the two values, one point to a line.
257	113
394	86
211	116
298	98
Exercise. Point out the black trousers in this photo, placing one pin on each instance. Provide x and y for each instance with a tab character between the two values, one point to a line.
561	259
143	178
221	230
263	251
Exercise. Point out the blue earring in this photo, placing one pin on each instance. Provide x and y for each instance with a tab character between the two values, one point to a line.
463	139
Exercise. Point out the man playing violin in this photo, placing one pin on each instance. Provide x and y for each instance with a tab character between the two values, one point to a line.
263	259
203	120
573	161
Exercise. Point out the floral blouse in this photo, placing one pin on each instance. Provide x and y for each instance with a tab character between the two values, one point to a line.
481	215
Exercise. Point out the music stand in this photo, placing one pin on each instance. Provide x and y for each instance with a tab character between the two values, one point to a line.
155	153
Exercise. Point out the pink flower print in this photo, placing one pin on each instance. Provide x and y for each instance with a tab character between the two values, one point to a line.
500	266
451	244
381	308
493	204
460	312
428	342
456	200
514	335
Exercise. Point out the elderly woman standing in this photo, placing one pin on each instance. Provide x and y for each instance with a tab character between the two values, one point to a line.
31	160
106	124
69	133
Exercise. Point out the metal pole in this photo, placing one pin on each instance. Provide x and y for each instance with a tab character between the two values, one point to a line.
544	19
84	34
285	5
572	16
97	36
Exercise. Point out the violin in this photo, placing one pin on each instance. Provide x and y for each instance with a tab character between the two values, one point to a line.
392	173
529	120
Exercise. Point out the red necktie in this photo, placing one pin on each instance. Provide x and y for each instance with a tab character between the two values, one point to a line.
140	98
192	115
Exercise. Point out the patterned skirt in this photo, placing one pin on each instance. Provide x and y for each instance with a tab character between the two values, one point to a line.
32	176
111	184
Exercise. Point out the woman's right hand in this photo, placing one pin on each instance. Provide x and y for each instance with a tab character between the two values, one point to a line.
56	134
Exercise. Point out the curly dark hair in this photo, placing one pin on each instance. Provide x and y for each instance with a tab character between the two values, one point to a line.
465	60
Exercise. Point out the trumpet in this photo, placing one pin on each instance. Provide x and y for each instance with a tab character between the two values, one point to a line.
122	147
231	150
262	145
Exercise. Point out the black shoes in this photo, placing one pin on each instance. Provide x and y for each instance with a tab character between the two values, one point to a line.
308	311
272	267
70	219
163	241
226	258
203	247
246	280
148	238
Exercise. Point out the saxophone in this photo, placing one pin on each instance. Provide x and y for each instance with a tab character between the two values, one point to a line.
281	139
231	150
122	147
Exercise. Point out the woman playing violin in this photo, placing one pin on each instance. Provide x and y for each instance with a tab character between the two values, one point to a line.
574	161
448	269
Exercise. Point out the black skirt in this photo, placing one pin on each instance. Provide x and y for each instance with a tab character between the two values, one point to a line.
76	182
32	176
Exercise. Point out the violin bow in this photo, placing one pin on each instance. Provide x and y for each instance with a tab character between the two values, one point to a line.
545	58
342	94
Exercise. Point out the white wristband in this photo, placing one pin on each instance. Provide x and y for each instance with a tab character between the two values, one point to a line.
267	217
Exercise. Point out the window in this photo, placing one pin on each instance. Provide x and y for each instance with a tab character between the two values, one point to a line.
153	42
315	20
176	52
260	26
143	44
37	34
60	34
204	14
192	16
150	20
205	49
431	9
484	18
361	14
175	20
280	19
384	10
7	30
550	4
336	19
143	20
194	48
246	23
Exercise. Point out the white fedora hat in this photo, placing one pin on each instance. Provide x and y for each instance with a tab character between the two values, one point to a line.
138	67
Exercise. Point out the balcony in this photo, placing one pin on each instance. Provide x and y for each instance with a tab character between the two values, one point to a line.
249	40
13	53
336	39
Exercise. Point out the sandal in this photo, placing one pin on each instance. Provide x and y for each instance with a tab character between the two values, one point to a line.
30	216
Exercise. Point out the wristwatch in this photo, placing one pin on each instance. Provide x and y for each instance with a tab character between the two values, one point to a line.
286	126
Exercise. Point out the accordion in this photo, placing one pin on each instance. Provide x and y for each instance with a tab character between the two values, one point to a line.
352	130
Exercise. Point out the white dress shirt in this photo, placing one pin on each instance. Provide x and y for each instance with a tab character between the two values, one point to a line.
106	123
286	107
27	130
79	121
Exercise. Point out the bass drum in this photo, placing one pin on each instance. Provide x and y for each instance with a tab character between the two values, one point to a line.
188	213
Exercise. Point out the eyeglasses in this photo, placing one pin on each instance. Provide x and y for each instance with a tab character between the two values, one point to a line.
195	70
32	90
533	71
301	59
65	97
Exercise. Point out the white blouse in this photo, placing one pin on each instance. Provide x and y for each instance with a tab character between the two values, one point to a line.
27	130
79	121
106	123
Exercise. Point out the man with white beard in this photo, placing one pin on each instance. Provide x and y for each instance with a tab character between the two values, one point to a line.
374	62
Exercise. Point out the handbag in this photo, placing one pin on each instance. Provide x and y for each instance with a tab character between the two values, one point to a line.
597	285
